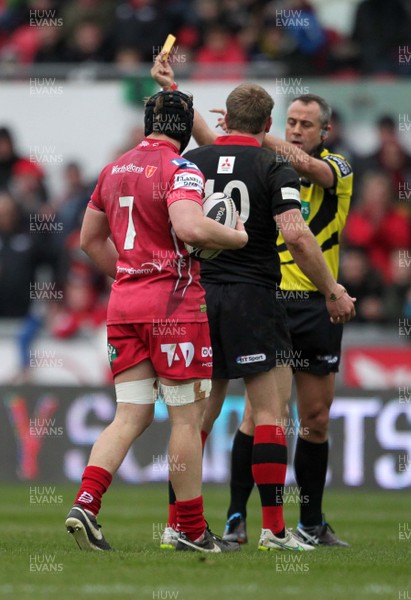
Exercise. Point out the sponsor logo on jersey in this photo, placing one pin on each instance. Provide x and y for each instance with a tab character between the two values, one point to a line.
144	143
149	171
203	308
182	162
305	209
251	358
206	351
189	181
133	271
342	164
186	352
155	265
112	353
130	168
226	164
289	193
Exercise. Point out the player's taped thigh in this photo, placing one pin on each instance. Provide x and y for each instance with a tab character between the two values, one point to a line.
185	393
137	392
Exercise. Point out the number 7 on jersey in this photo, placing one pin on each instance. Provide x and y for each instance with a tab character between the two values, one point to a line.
127	201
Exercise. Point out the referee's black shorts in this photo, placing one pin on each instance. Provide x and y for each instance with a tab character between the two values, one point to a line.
316	341
248	328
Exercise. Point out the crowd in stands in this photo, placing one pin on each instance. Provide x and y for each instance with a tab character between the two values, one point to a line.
46	281
209	32
40	234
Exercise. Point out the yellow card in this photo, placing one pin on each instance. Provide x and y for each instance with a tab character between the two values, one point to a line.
168	44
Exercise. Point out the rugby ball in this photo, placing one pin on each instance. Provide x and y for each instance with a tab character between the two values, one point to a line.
221	208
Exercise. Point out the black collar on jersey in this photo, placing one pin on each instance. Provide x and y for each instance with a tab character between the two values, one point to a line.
316	153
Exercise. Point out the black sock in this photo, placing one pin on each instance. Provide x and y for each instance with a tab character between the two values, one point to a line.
171	494
242	480
310	465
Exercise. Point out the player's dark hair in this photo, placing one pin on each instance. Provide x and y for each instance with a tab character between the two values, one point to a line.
170	113
5	134
386	121
249	107
325	108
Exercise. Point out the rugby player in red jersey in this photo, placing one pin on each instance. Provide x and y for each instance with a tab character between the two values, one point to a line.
146	206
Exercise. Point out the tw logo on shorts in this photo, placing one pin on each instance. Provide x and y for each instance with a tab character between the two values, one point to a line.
185	352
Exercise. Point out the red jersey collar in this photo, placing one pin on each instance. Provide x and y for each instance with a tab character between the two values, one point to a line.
236	140
147	143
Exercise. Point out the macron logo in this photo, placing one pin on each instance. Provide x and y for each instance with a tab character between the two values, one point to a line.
86	498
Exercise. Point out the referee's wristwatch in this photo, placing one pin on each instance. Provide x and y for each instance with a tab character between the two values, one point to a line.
334	298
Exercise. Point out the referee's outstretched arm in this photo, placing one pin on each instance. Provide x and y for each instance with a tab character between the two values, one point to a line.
314	169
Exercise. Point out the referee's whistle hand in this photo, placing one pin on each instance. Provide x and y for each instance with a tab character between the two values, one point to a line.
221	121
342	309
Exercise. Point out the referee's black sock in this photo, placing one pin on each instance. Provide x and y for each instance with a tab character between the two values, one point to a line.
242	480
310	465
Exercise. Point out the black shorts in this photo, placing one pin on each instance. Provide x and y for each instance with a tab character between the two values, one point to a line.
316	341
248	328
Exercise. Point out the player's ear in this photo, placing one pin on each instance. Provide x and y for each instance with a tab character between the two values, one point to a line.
268	125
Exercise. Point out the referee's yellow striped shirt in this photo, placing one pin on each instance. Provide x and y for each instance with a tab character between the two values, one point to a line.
325	211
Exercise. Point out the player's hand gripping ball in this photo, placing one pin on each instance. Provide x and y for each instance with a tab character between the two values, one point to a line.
221	208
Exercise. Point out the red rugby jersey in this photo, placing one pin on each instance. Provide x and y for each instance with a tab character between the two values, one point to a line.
156	278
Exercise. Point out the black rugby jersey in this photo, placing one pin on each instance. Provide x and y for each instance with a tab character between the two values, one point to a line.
262	185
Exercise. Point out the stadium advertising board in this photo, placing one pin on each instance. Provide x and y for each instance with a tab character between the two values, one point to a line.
382	368
46	435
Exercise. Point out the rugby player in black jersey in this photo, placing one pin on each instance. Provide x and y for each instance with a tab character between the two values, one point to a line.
326	188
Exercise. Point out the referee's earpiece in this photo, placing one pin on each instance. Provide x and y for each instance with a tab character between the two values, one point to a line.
324	133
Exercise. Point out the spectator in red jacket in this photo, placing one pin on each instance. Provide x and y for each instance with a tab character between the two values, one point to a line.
377	224
220	49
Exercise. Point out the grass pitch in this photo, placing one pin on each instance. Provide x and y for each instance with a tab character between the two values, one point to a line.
39	560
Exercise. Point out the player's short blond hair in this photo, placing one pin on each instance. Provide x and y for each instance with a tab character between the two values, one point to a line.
249	107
